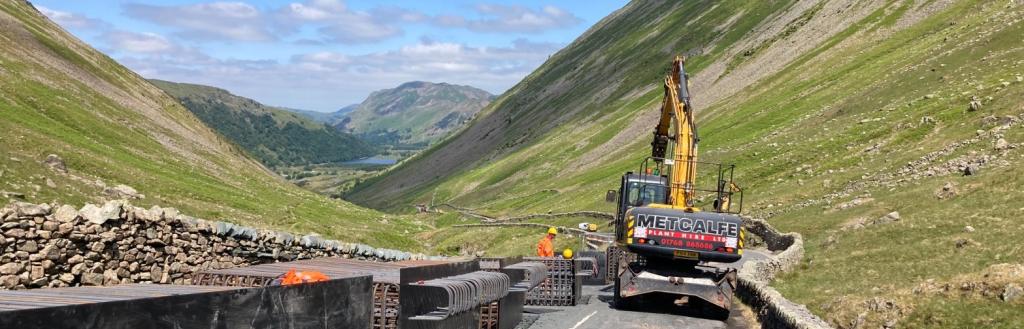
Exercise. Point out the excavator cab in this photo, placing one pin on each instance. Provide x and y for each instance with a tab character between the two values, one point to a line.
639	190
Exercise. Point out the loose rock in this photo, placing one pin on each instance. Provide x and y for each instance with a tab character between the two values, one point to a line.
100	215
66	214
123	192
1001	144
23	209
947	191
11	268
92	279
971	170
975	104
963	243
56	163
1011	293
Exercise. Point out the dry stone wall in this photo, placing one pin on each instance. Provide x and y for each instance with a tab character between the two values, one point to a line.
58	246
773	310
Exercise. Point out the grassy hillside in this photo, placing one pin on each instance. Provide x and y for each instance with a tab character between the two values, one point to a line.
416	113
274	136
110	127
837	113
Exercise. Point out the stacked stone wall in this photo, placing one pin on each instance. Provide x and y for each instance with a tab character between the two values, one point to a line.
57	246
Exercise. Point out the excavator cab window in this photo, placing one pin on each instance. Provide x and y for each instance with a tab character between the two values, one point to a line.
641	194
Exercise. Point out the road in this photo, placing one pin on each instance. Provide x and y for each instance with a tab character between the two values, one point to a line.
597	313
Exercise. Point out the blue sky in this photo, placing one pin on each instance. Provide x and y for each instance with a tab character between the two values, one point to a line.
325	54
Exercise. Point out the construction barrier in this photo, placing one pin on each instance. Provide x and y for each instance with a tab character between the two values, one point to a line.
407	294
336	303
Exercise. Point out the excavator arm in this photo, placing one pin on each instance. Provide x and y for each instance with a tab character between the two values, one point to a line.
676	125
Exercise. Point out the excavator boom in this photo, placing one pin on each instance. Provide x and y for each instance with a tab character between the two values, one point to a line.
675	108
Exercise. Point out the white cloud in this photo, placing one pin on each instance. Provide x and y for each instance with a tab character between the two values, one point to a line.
315	10
237	21
325	80
511	19
322	80
433	48
72	20
138	42
358	28
336	22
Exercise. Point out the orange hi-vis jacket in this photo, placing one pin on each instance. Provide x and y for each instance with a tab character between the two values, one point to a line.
544	247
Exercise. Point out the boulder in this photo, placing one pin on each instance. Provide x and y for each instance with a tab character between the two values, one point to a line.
947	191
1001	144
36	272
56	163
971	170
66	214
123	192
11	268
311	241
92	279
975	104
66	278
25	209
9	281
110	277
1011	293
888	218
97	246
29	246
99	215
50	252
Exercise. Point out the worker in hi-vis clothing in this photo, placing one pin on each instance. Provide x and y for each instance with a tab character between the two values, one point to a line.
546	247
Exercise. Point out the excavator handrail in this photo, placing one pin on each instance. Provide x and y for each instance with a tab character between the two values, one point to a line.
725	188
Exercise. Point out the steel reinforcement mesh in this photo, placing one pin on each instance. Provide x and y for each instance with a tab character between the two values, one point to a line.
559	288
385	306
489	315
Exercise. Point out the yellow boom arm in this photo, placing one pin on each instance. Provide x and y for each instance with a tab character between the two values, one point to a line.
676	125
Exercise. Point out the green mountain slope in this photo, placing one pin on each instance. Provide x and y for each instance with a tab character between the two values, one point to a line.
110	127
329	118
274	136
837	114
415	112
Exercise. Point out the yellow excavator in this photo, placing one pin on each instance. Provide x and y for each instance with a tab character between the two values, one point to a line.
672	234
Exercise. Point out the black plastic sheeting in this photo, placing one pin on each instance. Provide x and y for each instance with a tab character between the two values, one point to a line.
339	303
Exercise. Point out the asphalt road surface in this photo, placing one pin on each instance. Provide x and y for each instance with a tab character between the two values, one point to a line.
597	313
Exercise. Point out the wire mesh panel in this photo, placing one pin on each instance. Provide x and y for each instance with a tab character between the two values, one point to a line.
489	315
385	306
560	288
